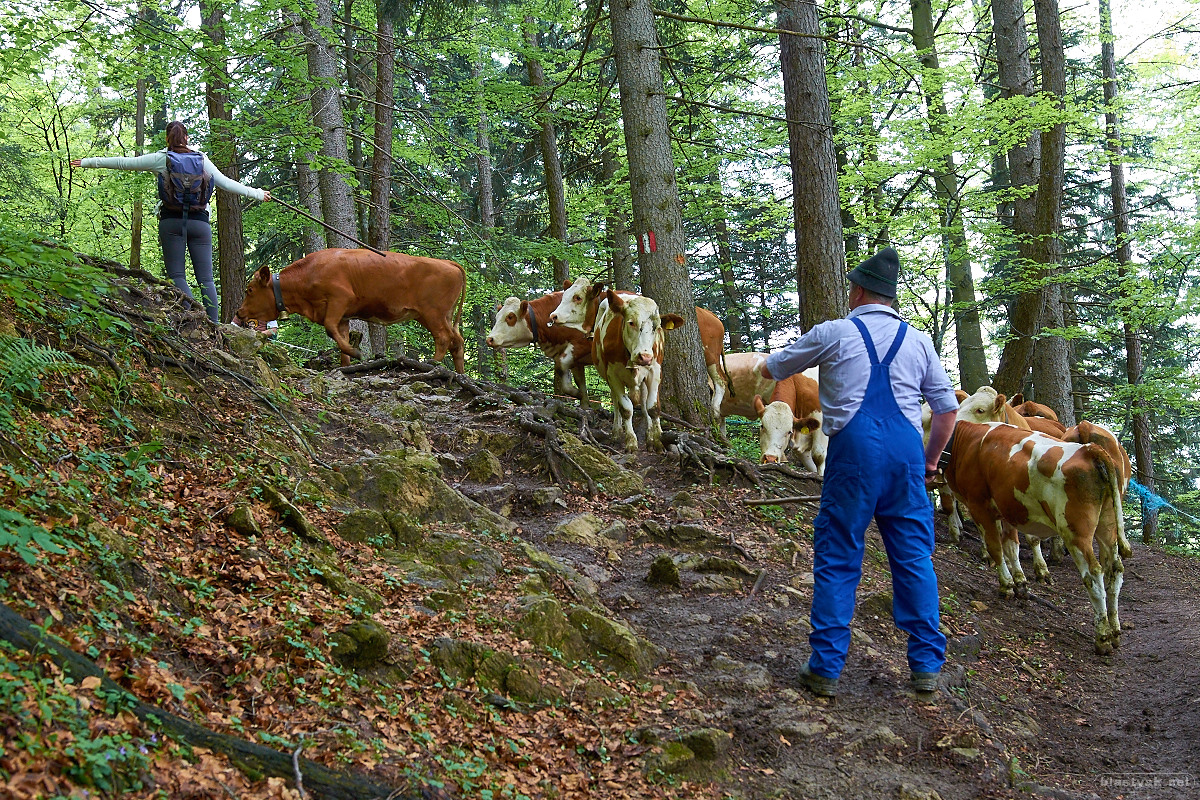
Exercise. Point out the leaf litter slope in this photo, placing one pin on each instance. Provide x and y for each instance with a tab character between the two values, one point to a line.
234	633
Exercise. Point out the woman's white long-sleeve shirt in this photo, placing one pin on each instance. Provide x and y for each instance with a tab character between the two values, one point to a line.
157	162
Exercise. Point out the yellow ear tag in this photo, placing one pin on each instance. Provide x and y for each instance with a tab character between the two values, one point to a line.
805	430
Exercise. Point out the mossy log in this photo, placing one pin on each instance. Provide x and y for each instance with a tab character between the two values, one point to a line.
255	760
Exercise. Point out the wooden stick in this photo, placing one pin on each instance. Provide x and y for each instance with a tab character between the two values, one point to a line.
326	226
777	501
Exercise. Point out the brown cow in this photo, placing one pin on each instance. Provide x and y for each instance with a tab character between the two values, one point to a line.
1098	434
1015	479
798	431
628	351
521	322
332	287
1028	408
578	309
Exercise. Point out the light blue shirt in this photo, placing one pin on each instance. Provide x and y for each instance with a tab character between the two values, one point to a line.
838	348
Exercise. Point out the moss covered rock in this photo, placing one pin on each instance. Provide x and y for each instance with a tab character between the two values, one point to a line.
365	525
361	644
611	476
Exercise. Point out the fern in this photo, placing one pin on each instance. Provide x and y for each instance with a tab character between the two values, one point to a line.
23	365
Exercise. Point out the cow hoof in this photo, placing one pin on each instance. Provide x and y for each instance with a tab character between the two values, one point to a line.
1006	592
1046	579
1021	590
1103	647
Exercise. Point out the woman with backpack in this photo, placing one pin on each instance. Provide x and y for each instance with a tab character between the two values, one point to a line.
186	179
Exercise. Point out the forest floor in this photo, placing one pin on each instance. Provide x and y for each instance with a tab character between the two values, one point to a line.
1027	707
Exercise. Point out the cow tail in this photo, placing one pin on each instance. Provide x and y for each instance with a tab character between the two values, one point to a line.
725	369
1109	472
462	298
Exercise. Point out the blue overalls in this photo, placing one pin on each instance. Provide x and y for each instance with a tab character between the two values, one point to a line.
875	467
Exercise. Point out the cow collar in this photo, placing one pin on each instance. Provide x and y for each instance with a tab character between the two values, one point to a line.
280	308
944	460
533	323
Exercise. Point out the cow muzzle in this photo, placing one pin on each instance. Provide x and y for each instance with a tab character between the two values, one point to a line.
642	359
770	459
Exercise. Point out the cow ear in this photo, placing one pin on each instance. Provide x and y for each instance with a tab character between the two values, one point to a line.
263	276
596	289
524	308
615	302
1001	399
759	408
1016	400
671	321
567	284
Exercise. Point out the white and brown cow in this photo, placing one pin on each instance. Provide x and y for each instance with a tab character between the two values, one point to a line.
1098	434
522	322
791	423
578	308
744	373
1016	480
1028	408
628	351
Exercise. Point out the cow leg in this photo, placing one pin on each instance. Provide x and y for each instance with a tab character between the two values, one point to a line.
1114	578
623	419
446	338
718	397
562	381
1012	555
1093	582
1040	570
993	537
581	386
339	330
648	390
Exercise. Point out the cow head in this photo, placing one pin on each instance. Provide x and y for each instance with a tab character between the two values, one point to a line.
776	423
259	303
986	405
641	327
572	309
511	328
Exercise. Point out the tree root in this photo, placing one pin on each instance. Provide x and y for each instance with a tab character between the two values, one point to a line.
555	453
252	759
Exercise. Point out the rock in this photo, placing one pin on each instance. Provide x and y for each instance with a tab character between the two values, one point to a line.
326	568
582	587
977	605
363	643
877	604
628	508
686	535
498	498
582	529
612	478
291	517
460	559
596	573
965	648
738	677
441	600
241	519
724	565
802	729
663	572
964	755
708	744
804	580
365	525
242	342
718	584
543	622
409	485
483	466
614	641
859	636
545	496
906	791
266	377
674	758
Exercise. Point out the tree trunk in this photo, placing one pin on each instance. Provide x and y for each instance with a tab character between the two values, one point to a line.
616	223
337	204
308	189
556	197
733	317
1052	354
379	214
820	248
1016	79
656	207
487	356
1142	437
972	360
139	141
231	243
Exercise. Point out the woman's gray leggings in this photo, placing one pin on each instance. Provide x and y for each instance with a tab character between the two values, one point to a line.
199	247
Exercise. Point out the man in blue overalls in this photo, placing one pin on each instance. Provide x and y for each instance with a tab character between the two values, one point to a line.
876	467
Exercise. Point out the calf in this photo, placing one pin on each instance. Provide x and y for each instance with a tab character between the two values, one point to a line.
628	352
578	308
744	374
988	405
332	287
1016	480
521	322
795	423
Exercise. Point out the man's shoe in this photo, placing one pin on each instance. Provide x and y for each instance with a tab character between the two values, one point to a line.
925	682
818	684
